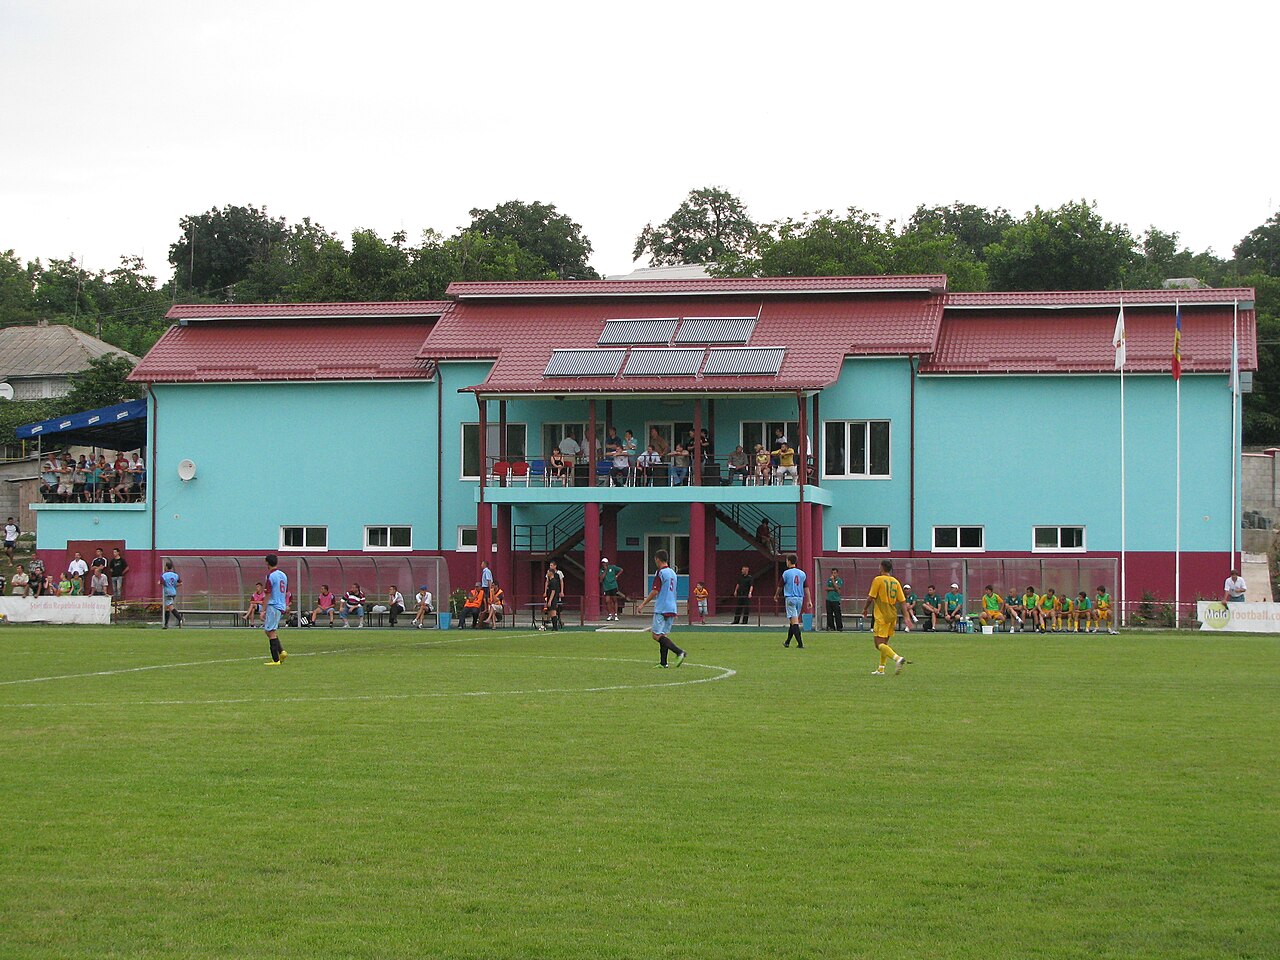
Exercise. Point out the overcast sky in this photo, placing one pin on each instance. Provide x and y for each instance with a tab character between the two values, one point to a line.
120	117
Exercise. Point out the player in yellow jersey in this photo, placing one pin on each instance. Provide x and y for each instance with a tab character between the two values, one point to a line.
1083	611
992	607
1062	617
1102	611
1048	604
1031	608
887	596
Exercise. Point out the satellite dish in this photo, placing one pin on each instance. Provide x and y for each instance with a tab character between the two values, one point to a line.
6	391
187	470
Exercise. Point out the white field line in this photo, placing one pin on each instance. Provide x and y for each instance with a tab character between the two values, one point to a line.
724	674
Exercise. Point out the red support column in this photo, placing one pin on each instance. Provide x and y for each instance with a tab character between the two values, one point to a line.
696	453
502	532
590	444
697	550
609	535
591	560
484	514
709	565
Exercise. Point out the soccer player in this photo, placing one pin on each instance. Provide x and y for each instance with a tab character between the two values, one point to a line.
1013	610
664	609
1048	604
609	585
1102	610
1064	614
992	607
953	606
169	581
1031	607
795	591
552	598
1083	611
886	595
933	608
277	603
324	604
256	600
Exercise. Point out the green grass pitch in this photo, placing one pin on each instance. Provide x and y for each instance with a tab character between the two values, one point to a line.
498	795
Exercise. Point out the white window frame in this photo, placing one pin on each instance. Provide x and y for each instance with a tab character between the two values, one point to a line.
304	528
462	444
957	527
767	434
864	527
866	427
370	548
474	547
1059	527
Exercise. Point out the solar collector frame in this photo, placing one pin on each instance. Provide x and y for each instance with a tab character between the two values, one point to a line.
584	363
744	361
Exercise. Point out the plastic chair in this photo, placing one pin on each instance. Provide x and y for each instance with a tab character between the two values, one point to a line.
520	473
537	471
500	471
604	473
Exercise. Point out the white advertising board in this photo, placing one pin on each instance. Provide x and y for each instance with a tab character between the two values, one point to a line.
1238	617
56	609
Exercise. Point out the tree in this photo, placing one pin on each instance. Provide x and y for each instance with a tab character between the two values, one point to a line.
1069	248
1160	258
17	289
709	226
217	249
974	228
1261	408
817	245
1262	247
102	383
552	245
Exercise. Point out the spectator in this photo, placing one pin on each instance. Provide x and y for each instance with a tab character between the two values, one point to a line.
117	567
325	604
496	605
11	533
658	442
570	448
98	582
395	604
764	534
35	569
257	603
552	598
352	603
79	477
66	485
137	477
835	615
98	563
49	473
786	463
679	466
630	446
19	584
1233	591
763	465
702	596
50	586
739	464
620	471
933	608
612	441
953	605
742	593
558	467
647	465
423	600
473	607
62	587
910	598
124	482
77	567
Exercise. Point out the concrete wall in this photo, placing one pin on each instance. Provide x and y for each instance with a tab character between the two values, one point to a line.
1260	470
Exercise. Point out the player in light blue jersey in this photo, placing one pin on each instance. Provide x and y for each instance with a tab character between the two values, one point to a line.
795	591
169	581
663	596
277	602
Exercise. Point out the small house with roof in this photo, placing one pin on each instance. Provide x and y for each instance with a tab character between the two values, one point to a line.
40	361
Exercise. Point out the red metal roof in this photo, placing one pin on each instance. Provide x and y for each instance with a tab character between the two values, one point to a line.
1049	299
298	311
759	286
1078	340
238	350
818	332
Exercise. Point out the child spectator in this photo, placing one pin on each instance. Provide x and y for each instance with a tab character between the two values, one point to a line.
702	596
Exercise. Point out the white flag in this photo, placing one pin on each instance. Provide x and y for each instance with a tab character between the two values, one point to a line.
1117	339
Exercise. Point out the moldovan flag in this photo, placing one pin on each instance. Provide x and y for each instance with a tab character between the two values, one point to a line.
1177	342
1117	339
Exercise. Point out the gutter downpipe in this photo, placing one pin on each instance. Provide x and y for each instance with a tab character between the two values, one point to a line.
913	362
439	455
152	484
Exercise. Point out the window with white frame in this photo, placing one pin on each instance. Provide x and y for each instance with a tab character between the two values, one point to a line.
553	433
469	540
866	539
516	449
958	538
855	448
1058	539
304	538
388	538
765	433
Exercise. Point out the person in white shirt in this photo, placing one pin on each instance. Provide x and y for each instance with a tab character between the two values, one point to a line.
77	567
645	466
11	532
569	449
1234	589
424	606
395	604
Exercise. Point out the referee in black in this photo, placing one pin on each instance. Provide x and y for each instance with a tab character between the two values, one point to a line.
742	592
835	617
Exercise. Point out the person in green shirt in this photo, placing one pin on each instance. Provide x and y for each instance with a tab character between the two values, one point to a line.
953	604
1013	610
1048	603
1083	611
992	607
64	585
1102	611
1031	607
609	585
1062	617
933	608
910	599
835	617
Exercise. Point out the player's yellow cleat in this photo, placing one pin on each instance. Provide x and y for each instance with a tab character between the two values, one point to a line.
271	663
283	654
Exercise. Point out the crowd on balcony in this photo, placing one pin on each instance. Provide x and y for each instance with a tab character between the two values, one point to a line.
68	479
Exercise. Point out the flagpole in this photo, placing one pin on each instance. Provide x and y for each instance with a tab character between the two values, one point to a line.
1235	434
1177	497
1124	574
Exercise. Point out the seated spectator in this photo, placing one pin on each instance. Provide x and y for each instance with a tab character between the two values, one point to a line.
764	465
496	605
352	603
646	466
679	466
18	584
786	463
424	605
739	465
66	482
137	478
558	467
325	604
620	470
395	604
953	605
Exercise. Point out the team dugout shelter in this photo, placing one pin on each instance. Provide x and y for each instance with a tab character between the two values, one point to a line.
937	429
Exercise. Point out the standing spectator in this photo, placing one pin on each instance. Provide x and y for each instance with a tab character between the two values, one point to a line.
98	582
169	581
79	477
702	597
739	464
353	602
62	588
124	483
117	567
743	590
658	442
835	616
486	580
77	567
630	446
137	477
11	532
98	563
395	604
423	600
49	472
19	586
66	485
609	586
325	604
35	570
1233	591
570	448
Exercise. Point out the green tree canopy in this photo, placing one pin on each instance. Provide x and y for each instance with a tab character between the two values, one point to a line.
551	245
710	226
973	228
821	244
1261	247
217	249
102	384
1068	248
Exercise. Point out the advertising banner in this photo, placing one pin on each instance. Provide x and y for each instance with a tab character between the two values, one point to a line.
1238	617
56	609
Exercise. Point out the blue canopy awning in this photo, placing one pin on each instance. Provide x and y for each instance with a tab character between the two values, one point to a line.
122	426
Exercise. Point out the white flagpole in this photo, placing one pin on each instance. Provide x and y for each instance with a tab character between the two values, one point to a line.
1177	497
1122	357
1235	434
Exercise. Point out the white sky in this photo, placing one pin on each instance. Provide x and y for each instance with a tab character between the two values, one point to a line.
120	117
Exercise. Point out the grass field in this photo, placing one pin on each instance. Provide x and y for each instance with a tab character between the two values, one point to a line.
529	795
